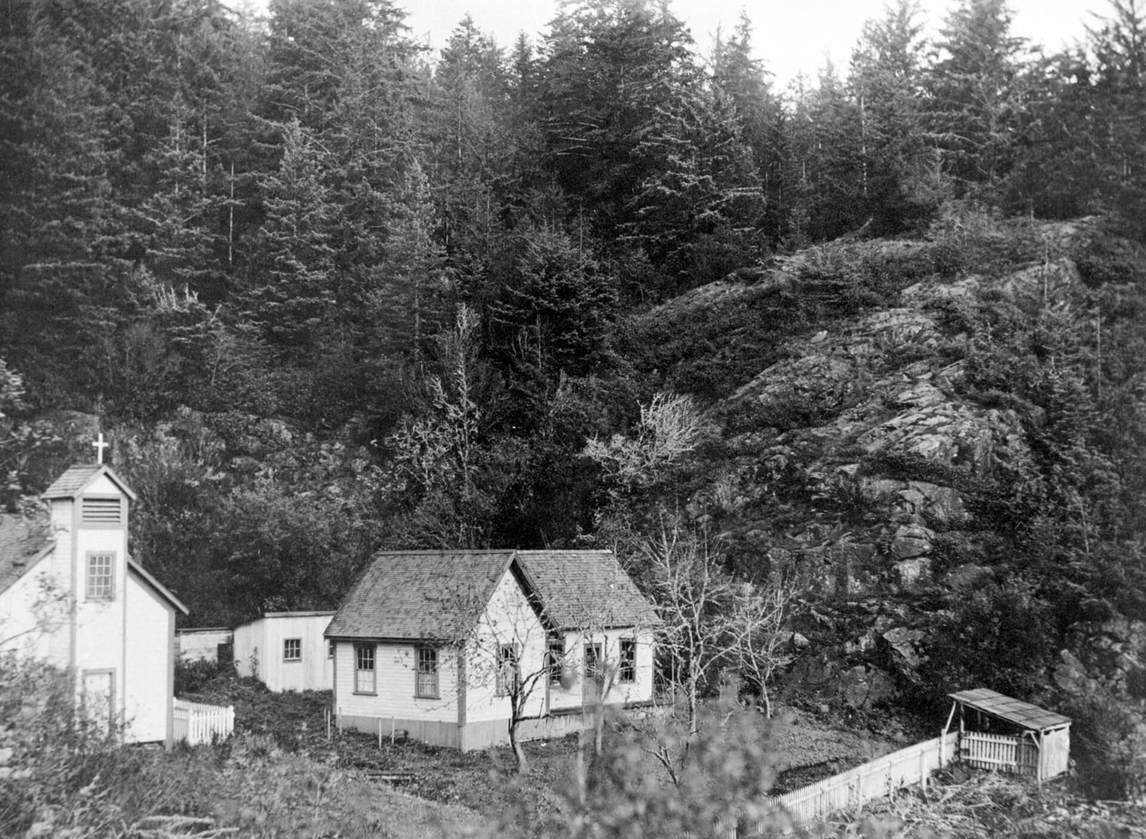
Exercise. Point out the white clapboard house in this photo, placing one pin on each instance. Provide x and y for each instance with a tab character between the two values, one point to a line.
427	643
72	596
286	650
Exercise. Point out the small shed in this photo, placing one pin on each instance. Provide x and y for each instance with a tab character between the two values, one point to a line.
208	643
286	651
1009	735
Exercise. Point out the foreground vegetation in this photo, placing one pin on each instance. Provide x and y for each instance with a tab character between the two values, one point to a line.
282	776
59	779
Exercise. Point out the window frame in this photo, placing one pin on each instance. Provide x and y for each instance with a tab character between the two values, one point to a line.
331	649
627	661
597	668
507	680
555	662
297	645
89	594
425	667
366	654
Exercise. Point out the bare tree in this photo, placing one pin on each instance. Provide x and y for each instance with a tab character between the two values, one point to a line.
670	427
757	623
712	622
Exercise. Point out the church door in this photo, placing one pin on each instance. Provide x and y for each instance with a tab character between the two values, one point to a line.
99	699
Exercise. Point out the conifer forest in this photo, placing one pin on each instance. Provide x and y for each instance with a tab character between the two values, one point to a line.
875	338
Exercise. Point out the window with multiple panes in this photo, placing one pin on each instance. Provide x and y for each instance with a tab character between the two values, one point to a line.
593	661
364	681
426	674
627	671
555	658
292	649
101	576
507	675
331	647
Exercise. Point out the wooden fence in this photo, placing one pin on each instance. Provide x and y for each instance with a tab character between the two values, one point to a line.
999	752
858	786
198	723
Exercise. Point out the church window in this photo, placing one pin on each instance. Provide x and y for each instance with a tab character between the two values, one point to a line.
101	576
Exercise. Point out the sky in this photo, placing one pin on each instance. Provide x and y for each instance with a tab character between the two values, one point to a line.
791	36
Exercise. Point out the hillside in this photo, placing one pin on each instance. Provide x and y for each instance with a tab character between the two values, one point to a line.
941	439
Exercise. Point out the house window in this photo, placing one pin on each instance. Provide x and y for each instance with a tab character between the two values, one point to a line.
555	658
627	672
593	661
364	668
426	677
101	576
292	649
507	675
331	647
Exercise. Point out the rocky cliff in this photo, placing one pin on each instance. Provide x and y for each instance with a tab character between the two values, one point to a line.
901	423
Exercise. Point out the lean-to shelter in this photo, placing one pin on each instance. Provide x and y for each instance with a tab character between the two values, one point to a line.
1009	735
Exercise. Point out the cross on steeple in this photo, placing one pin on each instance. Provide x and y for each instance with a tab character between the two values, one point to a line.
99	445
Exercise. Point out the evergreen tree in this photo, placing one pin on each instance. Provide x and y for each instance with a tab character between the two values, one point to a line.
976	98
885	83
1118	46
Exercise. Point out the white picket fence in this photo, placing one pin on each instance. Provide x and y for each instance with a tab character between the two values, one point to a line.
198	723
875	779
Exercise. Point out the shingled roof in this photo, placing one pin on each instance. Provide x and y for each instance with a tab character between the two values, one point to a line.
23	540
580	589
75	478
420	595
439	595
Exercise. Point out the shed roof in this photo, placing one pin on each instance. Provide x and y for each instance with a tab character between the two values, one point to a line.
75	478
1011	710
580	589
23	540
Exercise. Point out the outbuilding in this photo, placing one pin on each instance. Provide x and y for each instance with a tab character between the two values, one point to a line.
286	651
1009	735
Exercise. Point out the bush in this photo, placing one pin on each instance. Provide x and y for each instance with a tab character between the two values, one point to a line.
653	778
193	676
1108	745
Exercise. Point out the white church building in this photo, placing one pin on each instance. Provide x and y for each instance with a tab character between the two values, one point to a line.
71	595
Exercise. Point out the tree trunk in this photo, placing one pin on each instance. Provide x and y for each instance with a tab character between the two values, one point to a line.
518	751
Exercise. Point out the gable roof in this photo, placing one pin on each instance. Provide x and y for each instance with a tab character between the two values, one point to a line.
1011	710
76	478
23	541
419	595
439	595
586	589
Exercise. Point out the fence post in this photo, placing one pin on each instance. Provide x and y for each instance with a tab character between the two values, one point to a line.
392	731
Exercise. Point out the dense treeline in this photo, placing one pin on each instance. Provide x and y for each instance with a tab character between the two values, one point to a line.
331	292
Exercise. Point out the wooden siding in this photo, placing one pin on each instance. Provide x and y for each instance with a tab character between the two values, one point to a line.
202	644
394	683
150	620
258	651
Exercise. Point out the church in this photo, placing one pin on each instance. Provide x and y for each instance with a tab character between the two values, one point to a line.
72	596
